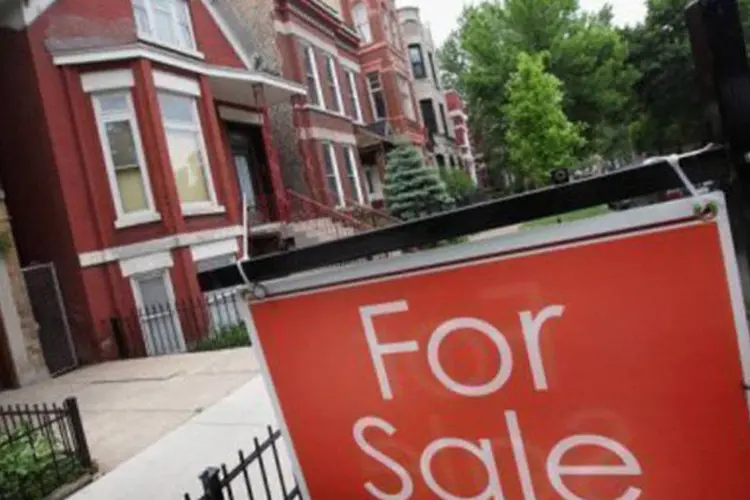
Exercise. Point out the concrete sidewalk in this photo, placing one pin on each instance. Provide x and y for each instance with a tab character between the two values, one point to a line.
170	467
128	405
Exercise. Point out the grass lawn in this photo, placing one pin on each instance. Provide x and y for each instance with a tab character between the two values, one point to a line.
569	217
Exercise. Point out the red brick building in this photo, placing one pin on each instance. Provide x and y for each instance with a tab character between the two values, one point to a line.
130	130
470	161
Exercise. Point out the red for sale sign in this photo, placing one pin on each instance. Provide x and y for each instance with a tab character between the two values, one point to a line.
599	361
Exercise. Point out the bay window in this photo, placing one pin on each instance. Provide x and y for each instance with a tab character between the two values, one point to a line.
187	152
123	156
165	21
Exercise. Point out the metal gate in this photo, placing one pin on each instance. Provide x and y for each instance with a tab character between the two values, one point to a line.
49	311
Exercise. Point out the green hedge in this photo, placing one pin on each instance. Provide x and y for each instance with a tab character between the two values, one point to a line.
33	464
230	337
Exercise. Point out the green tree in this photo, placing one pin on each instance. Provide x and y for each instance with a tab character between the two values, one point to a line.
586	53
459	184
412	189
539	136
670	110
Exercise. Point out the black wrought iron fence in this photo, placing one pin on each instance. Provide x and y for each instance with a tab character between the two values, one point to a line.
41	449
213	321
261	474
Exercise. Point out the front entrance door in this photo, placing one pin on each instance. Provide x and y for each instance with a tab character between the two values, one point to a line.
252	175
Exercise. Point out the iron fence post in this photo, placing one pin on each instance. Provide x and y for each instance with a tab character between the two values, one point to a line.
211	484
82	447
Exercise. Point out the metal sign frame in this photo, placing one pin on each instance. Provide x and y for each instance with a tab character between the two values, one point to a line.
708	164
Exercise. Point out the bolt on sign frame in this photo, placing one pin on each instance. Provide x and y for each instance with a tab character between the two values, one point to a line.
605	358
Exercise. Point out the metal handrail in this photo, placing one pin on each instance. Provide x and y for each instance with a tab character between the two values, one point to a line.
326	211
373	212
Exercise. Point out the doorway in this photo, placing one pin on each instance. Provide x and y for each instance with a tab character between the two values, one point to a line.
251	167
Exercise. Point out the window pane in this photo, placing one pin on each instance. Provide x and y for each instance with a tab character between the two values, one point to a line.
141	18
164	27
153	290
351	174
330	77
110	103
187	164
183	22
311	72
121	144
132	191
328	153
353	96
380	111
177	108
362	22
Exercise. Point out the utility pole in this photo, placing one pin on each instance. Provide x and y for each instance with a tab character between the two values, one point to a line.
720	56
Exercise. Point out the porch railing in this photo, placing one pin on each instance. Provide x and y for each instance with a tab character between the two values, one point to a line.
370	216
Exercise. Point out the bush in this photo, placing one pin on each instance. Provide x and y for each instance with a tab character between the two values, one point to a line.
33	464
230	337
459	184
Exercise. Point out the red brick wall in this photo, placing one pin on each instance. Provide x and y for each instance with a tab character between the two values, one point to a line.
53	170
453	101
36	199
210	40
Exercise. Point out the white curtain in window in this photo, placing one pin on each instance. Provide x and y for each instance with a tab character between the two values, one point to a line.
186	148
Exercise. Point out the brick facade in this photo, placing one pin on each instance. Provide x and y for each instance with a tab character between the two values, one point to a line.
62	200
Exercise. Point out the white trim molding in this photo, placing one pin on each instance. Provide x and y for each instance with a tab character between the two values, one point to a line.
307	36
178	84
217	249
154	54
146	263
115	254
240	115
107	80
324	134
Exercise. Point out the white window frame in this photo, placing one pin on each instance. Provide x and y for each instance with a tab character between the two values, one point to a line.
407	101
371	92
310	57
169	83
349	151
120	82
331	150
333	68
166	276
364	34
152	38
351	78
